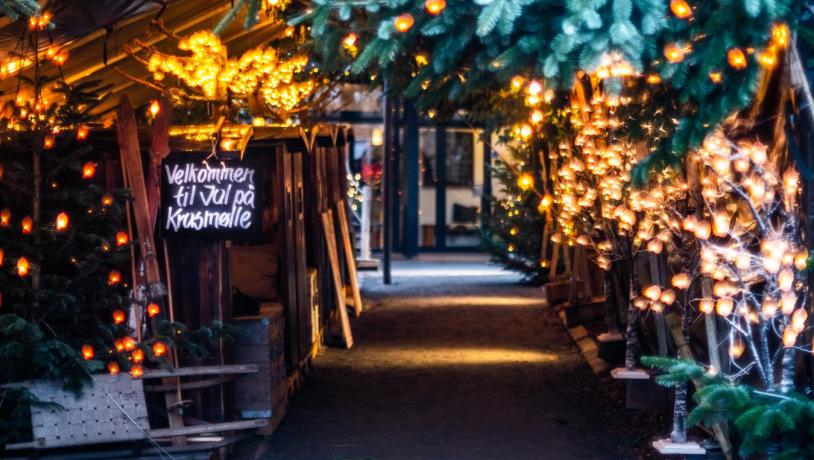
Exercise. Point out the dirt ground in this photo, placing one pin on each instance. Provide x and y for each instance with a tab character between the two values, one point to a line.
456	360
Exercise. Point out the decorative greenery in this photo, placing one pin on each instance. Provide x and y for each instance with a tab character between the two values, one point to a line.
471	48
514	233
779	425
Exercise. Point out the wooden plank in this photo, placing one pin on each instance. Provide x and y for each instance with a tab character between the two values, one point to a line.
201	370
330	241
159	149
350	259
127	135
212	428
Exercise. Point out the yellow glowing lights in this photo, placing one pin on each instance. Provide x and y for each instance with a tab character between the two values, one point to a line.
681	280
435	6
23	266
61	222
155	107
653	79
736	58
525	181
676	52
403	22
780	35
680	8
260	70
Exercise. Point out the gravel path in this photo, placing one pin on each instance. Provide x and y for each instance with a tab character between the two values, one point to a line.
469	366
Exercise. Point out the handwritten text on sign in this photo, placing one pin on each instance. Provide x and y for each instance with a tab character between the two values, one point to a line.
215	200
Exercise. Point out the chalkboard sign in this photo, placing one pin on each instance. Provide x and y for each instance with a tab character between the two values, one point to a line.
211	199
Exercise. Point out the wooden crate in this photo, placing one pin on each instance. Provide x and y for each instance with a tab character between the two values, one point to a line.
263	394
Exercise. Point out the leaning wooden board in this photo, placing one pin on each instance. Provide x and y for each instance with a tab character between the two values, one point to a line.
333	257
350	260
127	136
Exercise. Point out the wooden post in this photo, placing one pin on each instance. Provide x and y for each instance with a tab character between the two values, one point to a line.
387	186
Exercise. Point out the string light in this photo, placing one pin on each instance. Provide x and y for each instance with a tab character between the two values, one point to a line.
88	170
676	52
435	6
23	267
119	316
261	70
114	277
122	238
61	222
403	22
736	58
87	352
680	8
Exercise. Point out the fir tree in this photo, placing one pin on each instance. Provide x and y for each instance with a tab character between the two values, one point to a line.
514	234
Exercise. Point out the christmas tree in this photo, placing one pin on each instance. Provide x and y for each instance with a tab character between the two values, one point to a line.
63	245
515	234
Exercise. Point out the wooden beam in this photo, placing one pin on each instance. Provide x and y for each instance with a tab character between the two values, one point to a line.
212	428
201	371
350	256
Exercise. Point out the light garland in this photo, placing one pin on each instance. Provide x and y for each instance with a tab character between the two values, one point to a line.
260	70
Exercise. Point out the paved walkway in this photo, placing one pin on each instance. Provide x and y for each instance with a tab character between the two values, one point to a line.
454	361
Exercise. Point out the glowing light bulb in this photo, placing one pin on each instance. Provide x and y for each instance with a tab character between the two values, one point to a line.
789	337
136	371
27	225
736	58
667	297
680	8
681	280
159	349
122	238
653	79
62	221
702	230
724	306
153	309
114	277
155	107
706	305
537	116
798	320
655	246
652	292
435	6
113	368
780	35
785	279
403	22
769	308
23	266
525	181
88	170
107	199
676	52
350	40
736	348
137	355
787	302
119	316
87	352
82	133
